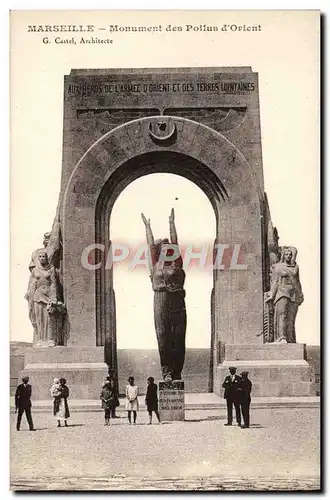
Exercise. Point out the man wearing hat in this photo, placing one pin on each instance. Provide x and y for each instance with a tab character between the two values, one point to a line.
231	386
245	386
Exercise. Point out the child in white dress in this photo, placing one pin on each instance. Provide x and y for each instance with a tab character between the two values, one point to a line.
132	402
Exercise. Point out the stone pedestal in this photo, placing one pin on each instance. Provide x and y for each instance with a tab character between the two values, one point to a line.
171	400
275	370
82	367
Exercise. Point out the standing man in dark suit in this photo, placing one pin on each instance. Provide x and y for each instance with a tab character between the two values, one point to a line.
23	403
245	395
231	387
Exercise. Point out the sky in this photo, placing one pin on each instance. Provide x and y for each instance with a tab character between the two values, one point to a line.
284	53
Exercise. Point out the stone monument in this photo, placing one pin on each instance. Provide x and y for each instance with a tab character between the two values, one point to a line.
200	123
167	277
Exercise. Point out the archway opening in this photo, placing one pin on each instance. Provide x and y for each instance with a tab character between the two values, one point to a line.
137	350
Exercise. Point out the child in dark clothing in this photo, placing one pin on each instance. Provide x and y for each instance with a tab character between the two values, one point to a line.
108	401
152	399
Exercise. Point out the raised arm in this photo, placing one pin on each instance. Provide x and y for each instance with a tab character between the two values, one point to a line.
174	237
150	241
173	233
149	235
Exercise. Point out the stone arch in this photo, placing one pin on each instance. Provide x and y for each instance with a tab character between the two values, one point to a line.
211	161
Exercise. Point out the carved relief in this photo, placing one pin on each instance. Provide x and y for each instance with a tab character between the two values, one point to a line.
162	130
220	119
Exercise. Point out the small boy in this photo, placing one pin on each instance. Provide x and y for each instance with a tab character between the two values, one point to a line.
108	401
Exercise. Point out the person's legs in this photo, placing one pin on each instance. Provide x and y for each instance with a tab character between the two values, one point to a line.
150	417
238	413
29	418
129	416
157	415
58	423
248	414
107	416
229	411
134	416
244	415
19	418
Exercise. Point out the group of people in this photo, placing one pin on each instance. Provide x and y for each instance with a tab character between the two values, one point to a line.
238	394
110	400
59	391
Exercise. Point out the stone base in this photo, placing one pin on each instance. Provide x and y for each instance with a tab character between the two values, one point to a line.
275	370
82	367
171	400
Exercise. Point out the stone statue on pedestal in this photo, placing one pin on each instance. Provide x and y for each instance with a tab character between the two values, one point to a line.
28	296
286	295
167	277
48	310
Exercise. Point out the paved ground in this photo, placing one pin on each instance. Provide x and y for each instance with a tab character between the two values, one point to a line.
279	451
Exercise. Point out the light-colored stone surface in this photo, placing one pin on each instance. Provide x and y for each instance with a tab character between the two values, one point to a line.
264	352
280	450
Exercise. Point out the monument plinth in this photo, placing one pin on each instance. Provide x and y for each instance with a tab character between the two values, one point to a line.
82	367
171	400
276	370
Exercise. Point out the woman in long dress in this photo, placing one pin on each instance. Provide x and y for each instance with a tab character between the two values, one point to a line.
286	294
168	278
132	402
62	410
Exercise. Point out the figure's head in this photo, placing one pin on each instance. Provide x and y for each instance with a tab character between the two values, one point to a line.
288	255
159	245
232	370
131	380
25	380
46	239
62	381
244	375
56	381
107	384
150	380
43	258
